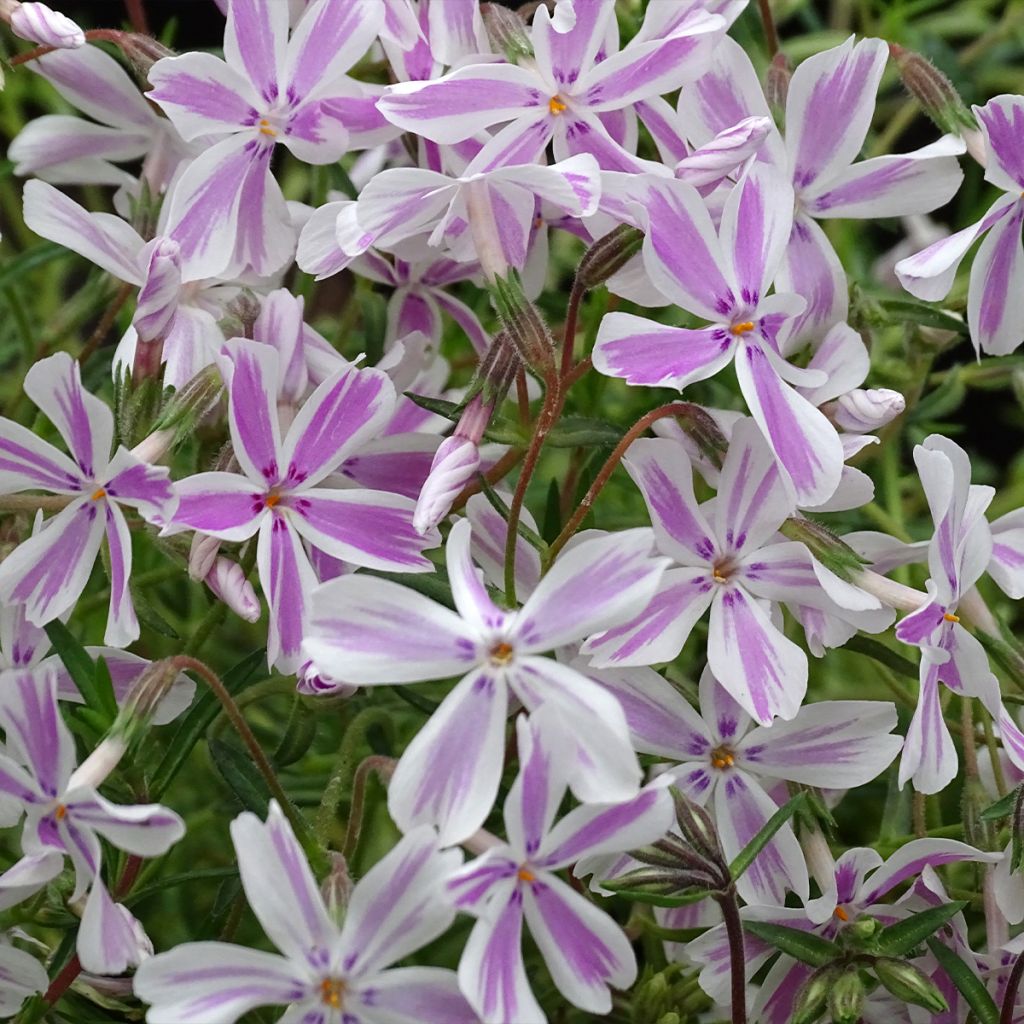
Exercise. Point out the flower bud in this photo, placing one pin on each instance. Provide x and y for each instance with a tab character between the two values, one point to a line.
227	581
190	403
313	683
933	90
608	255
776	84
39	24
725	153
158	297
106	756
864	929
863	410
697	828
244	308
506	31
455	464
812	998
909	984
523	323
658	881
846	998
153	447
143	51
834	553
705	434
336	888
202	555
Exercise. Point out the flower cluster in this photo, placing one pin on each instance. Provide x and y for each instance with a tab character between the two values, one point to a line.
517	368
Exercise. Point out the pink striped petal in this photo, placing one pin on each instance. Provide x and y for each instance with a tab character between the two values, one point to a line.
995	305
122	623
254	42
564	55
533	799
810	268
28	462
251	372
224	505
411	995
1002	123
929	757
448	775
763	670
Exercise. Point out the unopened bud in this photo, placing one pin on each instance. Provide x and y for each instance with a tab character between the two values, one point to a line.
726	152
523	322
863	410
697	828
933	90
657	881
834	553
455	464
337	888
846	998
506	31
313	683
812	998
608	255
154	447
143	51
202	555
95	769
39	24
244	309
909	984
158	298
864	929
776	84
228	583
705	434
142	704
190	403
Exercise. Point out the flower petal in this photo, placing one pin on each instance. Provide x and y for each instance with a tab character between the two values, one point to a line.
28	462
929	756
448	775
36	735
763	670
910	860
641	351
399	905
412	995
1002	122
368	630
280	887
837	744
215	983
995	304
593	585
345	411
288	580
254	42
584	949
534	796
844	78
810	268
122	623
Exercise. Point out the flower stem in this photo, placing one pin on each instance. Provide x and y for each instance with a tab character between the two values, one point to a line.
1010	995
384	768
771	35
737	959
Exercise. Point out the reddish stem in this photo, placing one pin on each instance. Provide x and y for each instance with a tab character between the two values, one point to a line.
137	16
572	315
93	35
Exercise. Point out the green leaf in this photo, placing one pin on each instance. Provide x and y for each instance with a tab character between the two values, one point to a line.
683	899
583	432
195	723
890	659
900	938
27	261
1002	808
552	523
968	984
428	707
440	406
82	669
298	735
746	856
803	946
105	688
531	537
238	771
923	313
149	616
173	881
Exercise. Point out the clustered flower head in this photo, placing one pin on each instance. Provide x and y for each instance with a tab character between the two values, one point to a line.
471	419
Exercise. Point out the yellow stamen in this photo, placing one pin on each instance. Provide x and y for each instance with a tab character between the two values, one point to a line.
265	128
841	914
525	875
722	757
332	990
98	493
744	328
61	812
717	576
501	654
271	499
555	105
950	617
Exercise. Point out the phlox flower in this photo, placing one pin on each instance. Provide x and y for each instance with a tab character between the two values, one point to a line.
722	277
957	555
727	558
819	157
68	150
65	816
278	492
175	305
583	948
48	572
21	976
574	92
995	296
856	884
368	631
729	763
227	210
324	973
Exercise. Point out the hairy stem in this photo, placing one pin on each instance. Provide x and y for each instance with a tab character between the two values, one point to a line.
737	959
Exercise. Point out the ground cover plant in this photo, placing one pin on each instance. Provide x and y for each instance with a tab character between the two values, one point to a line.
512	513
